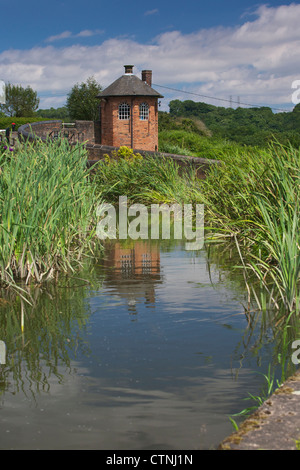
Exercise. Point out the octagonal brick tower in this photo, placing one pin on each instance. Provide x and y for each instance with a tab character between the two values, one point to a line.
129	112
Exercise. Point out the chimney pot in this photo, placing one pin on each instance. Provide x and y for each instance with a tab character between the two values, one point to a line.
128	68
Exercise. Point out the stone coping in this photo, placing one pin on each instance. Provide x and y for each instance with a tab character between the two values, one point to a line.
275	425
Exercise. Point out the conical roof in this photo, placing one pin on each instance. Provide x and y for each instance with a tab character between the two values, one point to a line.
129	85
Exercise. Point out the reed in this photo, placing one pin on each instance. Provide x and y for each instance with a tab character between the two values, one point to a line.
279	209
146	180
46	208
254	197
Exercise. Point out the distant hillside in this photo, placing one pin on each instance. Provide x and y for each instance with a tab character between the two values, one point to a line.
167	122
247	126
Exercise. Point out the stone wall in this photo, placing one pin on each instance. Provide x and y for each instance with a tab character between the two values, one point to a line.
80	131
87	131
38	129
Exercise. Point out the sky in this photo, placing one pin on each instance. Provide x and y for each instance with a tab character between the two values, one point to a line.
226	53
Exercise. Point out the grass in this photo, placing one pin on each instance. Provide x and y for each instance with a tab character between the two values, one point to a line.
257	400
46	209
183	142
254	196
145	180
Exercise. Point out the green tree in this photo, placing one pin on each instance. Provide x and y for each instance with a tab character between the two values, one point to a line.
54	113
20	102
82	101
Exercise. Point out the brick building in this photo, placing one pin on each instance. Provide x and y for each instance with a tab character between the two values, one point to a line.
129	112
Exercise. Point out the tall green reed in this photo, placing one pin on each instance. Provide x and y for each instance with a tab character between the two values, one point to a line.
279	209
254	197
46	209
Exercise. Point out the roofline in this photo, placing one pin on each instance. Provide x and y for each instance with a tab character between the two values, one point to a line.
134	87
130	95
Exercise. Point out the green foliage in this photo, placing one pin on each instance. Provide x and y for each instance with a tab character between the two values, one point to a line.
82	101
254	197
147	179
7	121
182	142
270	385
46	205
20	101
54	113
191	124
179	142
124	153
5	148
189	108
248	126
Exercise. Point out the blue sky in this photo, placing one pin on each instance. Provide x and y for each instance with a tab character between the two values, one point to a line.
237	50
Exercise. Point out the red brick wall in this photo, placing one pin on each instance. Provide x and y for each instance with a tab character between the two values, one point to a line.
133	133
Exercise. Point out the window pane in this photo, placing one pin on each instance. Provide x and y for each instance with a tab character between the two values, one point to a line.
124	111
144	111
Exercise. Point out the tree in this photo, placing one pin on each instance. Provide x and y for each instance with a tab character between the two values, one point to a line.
20	102
82	101
54	113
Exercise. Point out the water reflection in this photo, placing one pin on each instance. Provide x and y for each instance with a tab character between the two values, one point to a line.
152	347
133	270
41	336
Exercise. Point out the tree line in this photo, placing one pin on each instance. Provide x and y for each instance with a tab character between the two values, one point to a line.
248	126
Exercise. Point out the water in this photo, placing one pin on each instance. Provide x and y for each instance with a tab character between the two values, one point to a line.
149	349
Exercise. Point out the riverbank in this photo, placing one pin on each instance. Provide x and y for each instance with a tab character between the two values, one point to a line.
275	425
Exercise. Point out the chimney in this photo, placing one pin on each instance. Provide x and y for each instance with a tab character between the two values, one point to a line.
147	76
128	69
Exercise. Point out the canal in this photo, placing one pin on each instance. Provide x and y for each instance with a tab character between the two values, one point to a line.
151	347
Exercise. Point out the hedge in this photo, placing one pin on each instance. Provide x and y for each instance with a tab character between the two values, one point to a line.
7	121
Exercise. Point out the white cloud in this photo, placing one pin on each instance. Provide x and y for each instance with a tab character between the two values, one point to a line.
86	33
58	37
68	34
151	12
257	61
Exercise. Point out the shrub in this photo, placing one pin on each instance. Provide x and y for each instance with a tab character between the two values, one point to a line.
7	121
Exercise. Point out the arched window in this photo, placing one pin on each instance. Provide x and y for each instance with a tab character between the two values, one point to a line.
124	111
144	111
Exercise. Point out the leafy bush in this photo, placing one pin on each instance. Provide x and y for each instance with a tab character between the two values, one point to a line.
124	153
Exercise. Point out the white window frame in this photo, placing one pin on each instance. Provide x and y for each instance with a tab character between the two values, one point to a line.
124	112
144	112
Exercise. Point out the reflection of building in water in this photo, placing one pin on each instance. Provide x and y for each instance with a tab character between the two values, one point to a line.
140	260
133	271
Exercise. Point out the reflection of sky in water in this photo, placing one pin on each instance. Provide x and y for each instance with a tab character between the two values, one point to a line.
165	367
